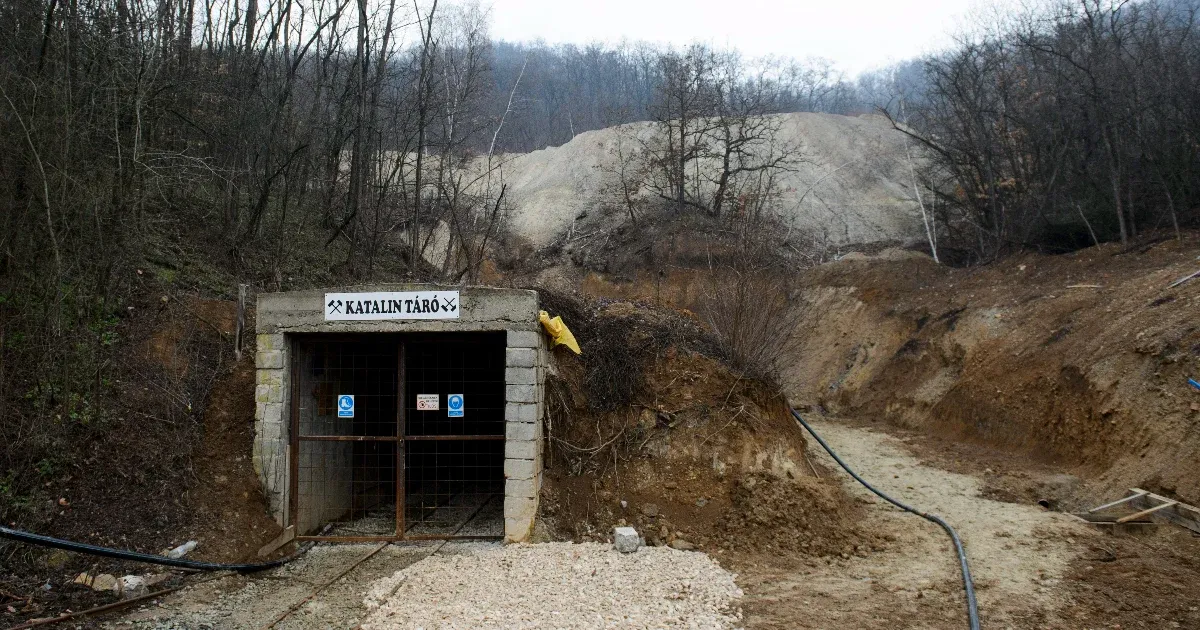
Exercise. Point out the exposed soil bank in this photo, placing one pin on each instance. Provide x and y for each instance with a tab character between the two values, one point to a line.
651	427
1080	360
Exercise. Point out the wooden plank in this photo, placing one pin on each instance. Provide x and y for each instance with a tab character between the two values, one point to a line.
288	535
1132	497
1113	527
1180	281
1181	514
1147	512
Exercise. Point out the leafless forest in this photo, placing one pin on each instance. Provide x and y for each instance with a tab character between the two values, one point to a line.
196	145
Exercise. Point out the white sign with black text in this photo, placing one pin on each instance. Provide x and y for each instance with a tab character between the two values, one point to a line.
428	402
391	305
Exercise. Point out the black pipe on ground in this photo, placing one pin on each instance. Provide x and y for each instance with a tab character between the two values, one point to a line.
968	585
120	554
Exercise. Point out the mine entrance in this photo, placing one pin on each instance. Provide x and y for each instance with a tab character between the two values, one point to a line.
417	452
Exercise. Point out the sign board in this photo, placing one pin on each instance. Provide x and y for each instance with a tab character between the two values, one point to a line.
428	402
391	305
454	406
345	406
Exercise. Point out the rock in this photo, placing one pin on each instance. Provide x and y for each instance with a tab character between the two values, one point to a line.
682	545
131	586
182	550
102	582
626	539
156	578
650	510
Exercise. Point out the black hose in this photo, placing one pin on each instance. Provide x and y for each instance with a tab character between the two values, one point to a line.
120	554
968	585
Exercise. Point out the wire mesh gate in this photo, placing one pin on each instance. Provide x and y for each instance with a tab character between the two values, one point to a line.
386	470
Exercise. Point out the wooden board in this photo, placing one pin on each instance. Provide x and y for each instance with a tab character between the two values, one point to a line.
1112	527
288	535
1101	508
1180	514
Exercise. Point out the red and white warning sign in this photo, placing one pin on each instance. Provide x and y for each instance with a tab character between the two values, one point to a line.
427	402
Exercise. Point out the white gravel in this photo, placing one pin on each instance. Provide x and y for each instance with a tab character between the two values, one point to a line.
557	585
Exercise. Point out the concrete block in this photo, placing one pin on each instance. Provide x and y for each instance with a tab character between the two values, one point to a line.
267	343
517	530
521	376
268	394
520	509
520	432
270	434
519	488
520	412
523	339
514	449
626	539
268	377
519	357
521	393
271	360
518	468
272	412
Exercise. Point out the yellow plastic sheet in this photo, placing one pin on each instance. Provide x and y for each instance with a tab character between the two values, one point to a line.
560	335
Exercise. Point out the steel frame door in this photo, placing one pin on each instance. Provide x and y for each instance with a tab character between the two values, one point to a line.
302	436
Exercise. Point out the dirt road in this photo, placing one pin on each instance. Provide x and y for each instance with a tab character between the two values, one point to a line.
1027	561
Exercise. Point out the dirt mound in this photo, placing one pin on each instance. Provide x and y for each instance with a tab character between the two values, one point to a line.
651	428
1080	360
804	514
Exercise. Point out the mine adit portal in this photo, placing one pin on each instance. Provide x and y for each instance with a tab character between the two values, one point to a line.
391	412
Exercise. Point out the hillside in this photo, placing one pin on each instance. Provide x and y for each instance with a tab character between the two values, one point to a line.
851	186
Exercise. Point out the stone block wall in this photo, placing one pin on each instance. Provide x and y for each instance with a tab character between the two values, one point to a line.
525	379
271	421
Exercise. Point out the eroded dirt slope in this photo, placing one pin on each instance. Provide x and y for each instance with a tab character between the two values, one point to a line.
1080	360
651	427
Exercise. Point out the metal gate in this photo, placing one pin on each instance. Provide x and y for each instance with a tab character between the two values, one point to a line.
382	469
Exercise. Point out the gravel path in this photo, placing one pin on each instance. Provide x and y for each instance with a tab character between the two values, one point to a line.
556	585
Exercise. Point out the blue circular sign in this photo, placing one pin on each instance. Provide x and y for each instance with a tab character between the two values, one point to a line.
346	402
455	401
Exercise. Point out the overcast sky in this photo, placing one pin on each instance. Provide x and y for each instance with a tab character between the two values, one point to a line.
857	34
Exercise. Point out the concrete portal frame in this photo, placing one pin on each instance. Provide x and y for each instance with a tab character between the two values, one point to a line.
281	316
